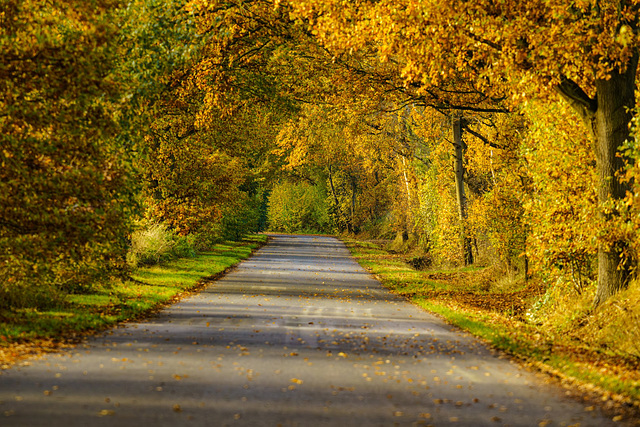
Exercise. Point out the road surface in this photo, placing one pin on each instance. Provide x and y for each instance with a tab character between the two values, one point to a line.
298	335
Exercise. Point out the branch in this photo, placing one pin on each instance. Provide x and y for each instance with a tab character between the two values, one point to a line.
577	98
482	138
441	108
251	52
477	38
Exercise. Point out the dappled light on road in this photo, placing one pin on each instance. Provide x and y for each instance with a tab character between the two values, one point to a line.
297	335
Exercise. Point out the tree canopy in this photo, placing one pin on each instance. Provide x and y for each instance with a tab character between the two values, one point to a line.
487	131
66	193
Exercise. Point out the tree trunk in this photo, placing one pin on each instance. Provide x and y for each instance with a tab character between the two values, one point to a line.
608	117
460	193
406	181
615	99
354	188
336	206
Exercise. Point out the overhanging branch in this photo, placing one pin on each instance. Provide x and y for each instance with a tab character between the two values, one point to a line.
577	98
482	138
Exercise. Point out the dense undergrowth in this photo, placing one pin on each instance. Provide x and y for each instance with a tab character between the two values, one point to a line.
594	350
30	331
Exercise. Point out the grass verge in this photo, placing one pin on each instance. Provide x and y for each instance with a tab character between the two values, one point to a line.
463	298
28	332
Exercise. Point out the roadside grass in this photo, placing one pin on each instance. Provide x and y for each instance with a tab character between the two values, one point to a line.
497	314
149	289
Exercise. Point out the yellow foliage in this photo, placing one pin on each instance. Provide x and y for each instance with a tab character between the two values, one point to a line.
615	324
561	209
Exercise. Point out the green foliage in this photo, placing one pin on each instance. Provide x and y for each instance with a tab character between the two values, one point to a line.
298	208
66	193
157	38
237	220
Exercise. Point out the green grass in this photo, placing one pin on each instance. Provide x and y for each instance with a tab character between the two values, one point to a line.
481	326
150	288
514	336
519	345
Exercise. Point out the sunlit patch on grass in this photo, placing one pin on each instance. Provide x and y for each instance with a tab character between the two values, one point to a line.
150	288
90	300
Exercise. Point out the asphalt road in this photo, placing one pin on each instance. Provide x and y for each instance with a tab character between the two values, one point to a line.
298	335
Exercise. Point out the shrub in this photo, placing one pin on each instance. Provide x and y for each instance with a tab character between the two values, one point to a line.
156	243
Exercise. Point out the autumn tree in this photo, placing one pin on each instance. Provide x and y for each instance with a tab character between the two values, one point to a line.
587	52
317	146
243	59
257	60
203	148
66	193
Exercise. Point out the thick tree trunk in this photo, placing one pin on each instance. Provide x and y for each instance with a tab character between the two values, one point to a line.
615	100
460	193
608	117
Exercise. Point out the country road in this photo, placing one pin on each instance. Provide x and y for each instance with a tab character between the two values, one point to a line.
297	335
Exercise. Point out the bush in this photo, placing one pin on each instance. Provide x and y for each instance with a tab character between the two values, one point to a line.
156	243
421	262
